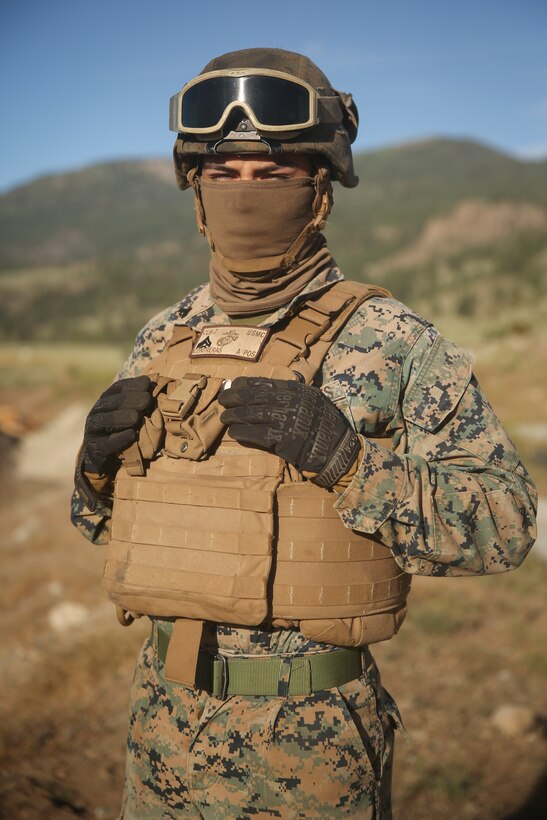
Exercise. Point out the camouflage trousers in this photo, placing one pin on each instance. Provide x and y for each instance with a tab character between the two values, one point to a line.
324	755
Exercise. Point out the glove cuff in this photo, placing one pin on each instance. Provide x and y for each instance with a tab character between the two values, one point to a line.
92	487
341	460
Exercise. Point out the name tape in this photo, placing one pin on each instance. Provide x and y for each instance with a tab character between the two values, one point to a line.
231	341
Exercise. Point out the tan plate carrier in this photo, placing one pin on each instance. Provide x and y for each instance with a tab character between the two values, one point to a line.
213	530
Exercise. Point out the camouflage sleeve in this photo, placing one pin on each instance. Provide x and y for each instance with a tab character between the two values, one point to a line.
94	526
453	498
149	343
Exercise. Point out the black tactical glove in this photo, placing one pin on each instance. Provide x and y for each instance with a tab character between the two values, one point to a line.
293	420
114	422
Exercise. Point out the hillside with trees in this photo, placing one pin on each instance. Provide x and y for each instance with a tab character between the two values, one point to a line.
452	227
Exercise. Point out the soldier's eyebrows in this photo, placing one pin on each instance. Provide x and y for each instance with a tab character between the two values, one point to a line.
221	166
215	166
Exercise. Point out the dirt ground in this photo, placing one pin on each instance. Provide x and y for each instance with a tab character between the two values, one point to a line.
468	670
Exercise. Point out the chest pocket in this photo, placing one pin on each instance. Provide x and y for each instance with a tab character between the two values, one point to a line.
191	415
334	391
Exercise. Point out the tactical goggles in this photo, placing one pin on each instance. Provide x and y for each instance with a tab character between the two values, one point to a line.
272	100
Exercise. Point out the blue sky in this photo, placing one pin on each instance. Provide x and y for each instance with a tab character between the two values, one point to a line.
88	81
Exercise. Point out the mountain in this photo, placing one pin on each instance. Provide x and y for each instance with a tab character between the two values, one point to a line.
449	225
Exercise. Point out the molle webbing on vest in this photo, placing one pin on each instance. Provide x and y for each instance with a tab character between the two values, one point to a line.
310	542
237	536
195	537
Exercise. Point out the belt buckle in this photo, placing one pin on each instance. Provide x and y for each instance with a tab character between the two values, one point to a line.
223	675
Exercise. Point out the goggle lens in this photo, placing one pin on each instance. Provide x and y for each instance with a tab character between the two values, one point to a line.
273	101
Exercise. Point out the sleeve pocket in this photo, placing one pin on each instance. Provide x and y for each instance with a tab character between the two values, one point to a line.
439	385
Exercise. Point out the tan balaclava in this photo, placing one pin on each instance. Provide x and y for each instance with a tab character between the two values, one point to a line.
265	238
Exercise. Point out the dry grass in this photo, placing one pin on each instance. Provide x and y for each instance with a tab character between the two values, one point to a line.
468	646
509	352
58	365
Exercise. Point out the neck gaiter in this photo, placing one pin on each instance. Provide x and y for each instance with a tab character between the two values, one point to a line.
265	239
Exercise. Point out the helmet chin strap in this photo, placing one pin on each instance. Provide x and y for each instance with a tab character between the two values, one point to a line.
322	206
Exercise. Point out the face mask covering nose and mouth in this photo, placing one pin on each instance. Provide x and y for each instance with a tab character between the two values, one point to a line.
265	238
253	224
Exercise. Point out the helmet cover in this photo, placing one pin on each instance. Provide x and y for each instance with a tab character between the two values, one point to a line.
331	139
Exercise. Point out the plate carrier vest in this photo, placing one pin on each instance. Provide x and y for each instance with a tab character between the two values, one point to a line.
212	530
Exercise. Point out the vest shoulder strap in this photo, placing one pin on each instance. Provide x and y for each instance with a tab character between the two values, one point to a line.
303	342
181	333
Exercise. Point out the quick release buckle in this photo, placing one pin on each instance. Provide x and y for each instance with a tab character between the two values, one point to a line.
177	405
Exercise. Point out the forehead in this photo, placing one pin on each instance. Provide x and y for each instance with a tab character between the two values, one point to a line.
296	160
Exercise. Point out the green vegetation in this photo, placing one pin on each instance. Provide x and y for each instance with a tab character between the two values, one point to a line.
72	369
454	229
445	615
90	255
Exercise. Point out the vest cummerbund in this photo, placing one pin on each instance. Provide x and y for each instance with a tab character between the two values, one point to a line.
209	529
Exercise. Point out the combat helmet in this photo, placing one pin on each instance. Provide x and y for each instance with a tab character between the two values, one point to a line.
263	100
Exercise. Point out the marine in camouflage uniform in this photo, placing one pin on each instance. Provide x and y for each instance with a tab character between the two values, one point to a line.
451	498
